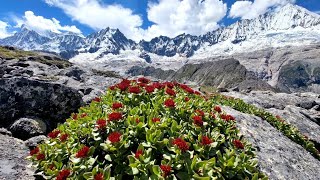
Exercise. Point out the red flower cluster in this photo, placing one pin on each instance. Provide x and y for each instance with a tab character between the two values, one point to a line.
218	109
169	103
205	140
40	156
101	123
171	92
169	84
124	84
83	152
227	117
158	85
52	166
138	153
213	115
75	116
117	105
278	117
97	99
155	120
54	134
238	144
115	116
149	88
114	137
134	89
63	175
200	112
186	99
137	120
197	120
181	144
98	176
34	151
83	115
165	169
64	137
187	88
143	80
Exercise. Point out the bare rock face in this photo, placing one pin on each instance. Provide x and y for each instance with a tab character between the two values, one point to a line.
278	156
13	164
21	97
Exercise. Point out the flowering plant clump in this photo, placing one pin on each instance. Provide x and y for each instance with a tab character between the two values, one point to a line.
147	130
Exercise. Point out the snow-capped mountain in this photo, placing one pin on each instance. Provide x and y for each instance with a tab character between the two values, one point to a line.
25	39
283	25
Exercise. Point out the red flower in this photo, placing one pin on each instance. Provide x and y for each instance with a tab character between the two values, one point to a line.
157	85
115	116
187	88
101	123
63	175
114	137
117	105
40	157
238	144
63	137
142	84
83	152
170	92
169	103
52	166
97	99
169	85
200	112
137	120
186	99
227	117
197	120
182	145
34	151
206	140
98	176
278	117
124	84
217	108
197	93
134	89
155	120
53	134
75	116
143	80
149	88
139	152
165	169
83	115
112	88
213	115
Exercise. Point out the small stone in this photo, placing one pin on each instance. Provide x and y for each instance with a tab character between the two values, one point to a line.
25	128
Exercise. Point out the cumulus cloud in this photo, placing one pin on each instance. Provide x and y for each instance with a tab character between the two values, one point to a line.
4	29
99	16
250	10
173	17
170	17
42	25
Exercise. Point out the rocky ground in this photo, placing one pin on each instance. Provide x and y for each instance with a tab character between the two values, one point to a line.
38	91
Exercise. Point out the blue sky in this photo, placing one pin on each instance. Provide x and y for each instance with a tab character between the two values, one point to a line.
132	17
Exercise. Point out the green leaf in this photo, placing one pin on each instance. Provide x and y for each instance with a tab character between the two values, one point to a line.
156	170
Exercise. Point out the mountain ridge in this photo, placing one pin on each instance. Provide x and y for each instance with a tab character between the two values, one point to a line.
113	41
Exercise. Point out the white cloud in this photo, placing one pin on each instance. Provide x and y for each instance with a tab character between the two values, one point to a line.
99	16
171	17
250	10
4	30
42	25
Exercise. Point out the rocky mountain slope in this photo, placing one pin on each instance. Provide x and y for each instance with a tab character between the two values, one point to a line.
38	91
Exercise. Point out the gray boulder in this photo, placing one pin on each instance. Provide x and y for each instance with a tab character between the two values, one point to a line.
34	141
25	128
278	156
